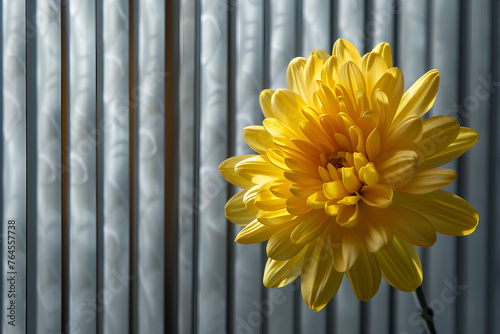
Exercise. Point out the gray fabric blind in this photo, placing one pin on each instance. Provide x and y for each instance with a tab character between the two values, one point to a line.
116	114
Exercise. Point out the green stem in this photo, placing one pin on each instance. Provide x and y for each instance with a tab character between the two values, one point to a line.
425	312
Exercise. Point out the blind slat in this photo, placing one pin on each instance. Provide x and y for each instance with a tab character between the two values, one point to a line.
187	97
476	175
31	168
50	169
14	164
445	57
82	162
213	149
114	131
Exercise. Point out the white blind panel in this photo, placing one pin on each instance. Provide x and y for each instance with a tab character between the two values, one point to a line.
82	166
49	168
14	164
114	132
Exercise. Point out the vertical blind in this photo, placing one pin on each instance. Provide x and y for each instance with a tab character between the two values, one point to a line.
116	114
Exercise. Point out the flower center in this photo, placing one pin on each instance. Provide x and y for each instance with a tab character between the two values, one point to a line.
338	162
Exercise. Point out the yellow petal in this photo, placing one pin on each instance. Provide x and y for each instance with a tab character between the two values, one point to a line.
258	169
347	215
363	104
373	66
330	71
317	200
319	280
368	121
300	165
304	190
315	134
345	51
280	247
227	169
276	128
295	76
381	106
373	144
396	168
357	139
346	102
308	150
374	229
281	188
287	106
392	84
419	98
258	138
428	180
345	248
297	206
280	273
265	102
321	54
335	174
302	178
311	226
299	149
384	49
404	134
236	211
364	275
350	180
342	141
335	190
465	140
323	99
255	232
331	208
359	160
352	80
349	200
400	265
379	195
249	197
438	133
369	174
450	214
266	200
411	226
312	70
276	217
277	158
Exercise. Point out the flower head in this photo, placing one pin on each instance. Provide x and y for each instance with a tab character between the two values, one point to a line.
345	180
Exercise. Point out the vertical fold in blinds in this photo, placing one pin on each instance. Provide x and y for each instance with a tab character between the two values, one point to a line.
212	189
31	164
82	163
188	132
115	36
150	94
48	72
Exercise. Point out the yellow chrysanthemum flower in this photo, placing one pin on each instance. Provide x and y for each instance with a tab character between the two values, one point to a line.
345	179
